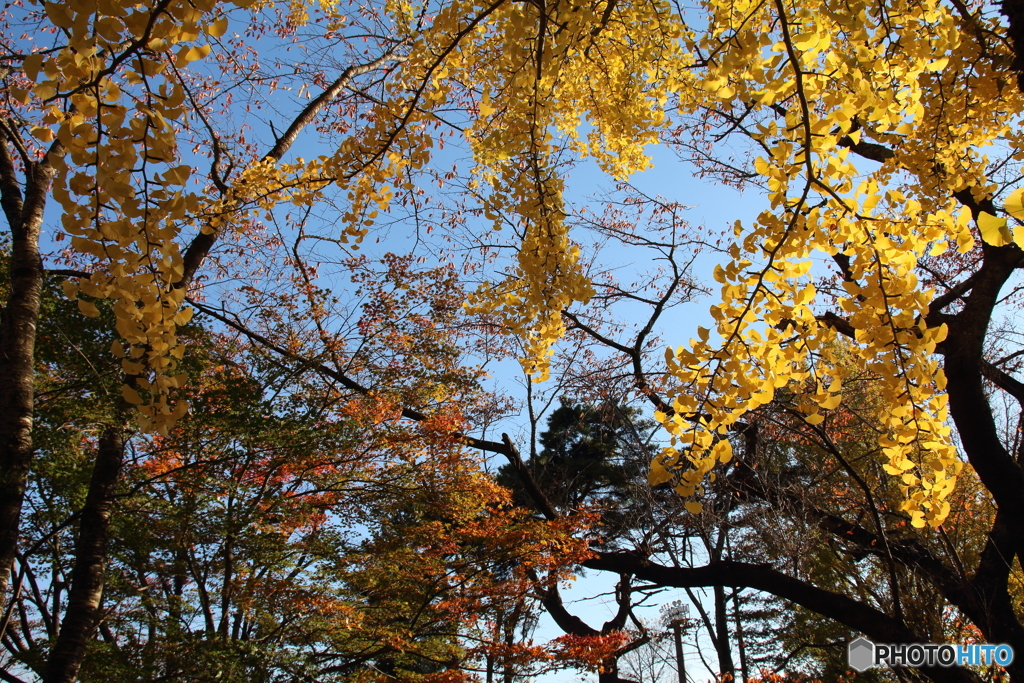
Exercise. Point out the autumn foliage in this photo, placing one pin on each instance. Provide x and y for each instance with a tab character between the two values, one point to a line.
278	307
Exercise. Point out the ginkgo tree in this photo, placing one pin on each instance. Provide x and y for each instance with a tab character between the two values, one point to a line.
924	269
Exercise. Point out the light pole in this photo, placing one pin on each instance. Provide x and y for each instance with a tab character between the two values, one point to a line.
675	615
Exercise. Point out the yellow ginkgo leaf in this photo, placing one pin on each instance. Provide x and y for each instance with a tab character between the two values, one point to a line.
830	402
192	54
42	133
131	395
694	507
183	316
658	474
31	66
88	308
1014	204
217	28
805	41
131	367
993	229
722	451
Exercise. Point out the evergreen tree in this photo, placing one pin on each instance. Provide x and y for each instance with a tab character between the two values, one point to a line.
592	455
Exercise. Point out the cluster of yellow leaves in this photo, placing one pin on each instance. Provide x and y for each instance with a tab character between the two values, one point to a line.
818	76
110	97
996	231
115	100
907	75
538	72
824	77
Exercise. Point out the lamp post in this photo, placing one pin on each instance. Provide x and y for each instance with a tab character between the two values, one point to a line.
675	615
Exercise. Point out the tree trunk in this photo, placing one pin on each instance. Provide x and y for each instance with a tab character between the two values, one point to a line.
609	671
86	595
18	340
509	626
744	672
723	644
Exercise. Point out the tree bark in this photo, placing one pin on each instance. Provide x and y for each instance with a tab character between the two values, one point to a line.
723	643
86	595
1013	10
18	321
744	672
969	406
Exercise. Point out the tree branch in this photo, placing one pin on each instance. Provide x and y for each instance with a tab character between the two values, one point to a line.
1003	380
505	447
203	242
877	625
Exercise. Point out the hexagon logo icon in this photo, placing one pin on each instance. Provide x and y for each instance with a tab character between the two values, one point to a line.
860	654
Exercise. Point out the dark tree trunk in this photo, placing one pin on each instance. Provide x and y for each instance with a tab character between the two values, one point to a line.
723	644
86	595
1013	10
744	672
509	626
18	322
609	672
